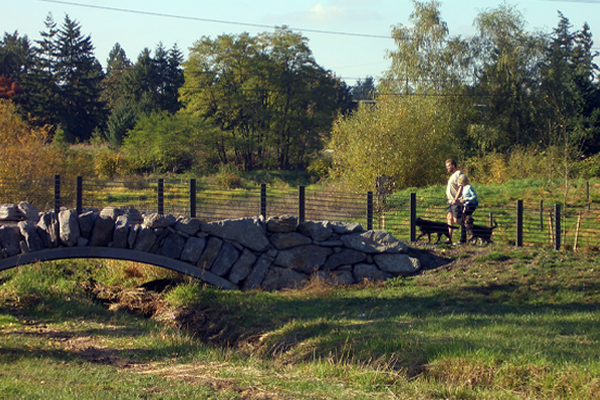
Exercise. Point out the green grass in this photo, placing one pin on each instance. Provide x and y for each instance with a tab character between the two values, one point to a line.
496	323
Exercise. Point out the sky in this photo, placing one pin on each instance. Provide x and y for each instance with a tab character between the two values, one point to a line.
351	38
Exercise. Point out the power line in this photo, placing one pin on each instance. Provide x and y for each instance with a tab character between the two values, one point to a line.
216	21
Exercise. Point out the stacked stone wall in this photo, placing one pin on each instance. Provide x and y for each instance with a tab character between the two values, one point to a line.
247	253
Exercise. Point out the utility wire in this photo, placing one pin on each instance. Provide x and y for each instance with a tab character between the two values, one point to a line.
216	21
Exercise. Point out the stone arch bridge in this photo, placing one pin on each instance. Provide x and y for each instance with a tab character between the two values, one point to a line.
247	253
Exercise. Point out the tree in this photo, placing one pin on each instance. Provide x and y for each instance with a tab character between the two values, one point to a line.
364	90
8	88
16	55
427	59
78	76
507	77
117	67
162	142
407	138
41	92
24	150
270	100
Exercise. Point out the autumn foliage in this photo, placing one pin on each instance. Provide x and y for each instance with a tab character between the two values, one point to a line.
8	88
25	153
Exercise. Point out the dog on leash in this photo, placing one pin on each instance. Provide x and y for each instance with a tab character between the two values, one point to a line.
433	227
478	232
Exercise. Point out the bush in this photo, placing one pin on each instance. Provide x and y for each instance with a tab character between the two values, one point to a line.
406	138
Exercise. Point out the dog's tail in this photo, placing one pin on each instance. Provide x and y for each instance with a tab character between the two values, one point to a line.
495	225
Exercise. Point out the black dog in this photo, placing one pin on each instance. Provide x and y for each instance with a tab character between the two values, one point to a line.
428	227
476	232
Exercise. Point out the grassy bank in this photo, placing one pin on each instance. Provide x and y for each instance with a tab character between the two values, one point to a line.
495	323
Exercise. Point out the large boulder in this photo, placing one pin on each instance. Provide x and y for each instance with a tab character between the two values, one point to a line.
317	231
68	224
10	212
369	272
29	231
121	232
49	231
344	257
172	245
306	259
283	241
242	267
259	272
249	232
211	251
144	239
29	211
10	238
282	224
102	234
374	242
397	264
192	250
282	278
225	260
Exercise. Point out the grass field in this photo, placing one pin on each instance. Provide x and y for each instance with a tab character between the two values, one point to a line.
493	323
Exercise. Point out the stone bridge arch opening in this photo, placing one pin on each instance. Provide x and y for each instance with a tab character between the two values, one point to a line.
69	253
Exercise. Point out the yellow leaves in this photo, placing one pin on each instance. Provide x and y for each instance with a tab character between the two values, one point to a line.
24	150
406	138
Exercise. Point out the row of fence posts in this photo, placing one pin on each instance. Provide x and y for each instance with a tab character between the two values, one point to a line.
554	220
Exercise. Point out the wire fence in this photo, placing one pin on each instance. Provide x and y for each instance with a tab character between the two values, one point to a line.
530	224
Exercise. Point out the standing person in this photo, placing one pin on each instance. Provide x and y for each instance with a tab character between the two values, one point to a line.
469	198
453	194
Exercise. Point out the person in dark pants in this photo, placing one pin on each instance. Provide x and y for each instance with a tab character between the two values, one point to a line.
468	198
453	194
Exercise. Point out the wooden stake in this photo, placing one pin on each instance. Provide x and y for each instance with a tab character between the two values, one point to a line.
577	232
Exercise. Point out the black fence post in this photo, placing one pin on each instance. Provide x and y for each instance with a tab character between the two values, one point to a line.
557	227
541	215
161	196
369	211
263	200
413	217
79	195
587	194
301	203
57	193
519	238
192	198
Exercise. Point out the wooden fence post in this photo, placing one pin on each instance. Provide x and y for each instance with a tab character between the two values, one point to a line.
79	195
557	224
301	203
369	211
192	198
519	238
57	194
161	198
413	217
263	200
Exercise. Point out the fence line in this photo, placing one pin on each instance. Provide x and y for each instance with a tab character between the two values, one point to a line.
520	225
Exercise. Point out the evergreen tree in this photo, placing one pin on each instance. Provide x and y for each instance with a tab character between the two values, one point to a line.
364	90
78	77
16	56
40	98
113	84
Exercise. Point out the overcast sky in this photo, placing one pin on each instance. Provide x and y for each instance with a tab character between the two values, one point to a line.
349	37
